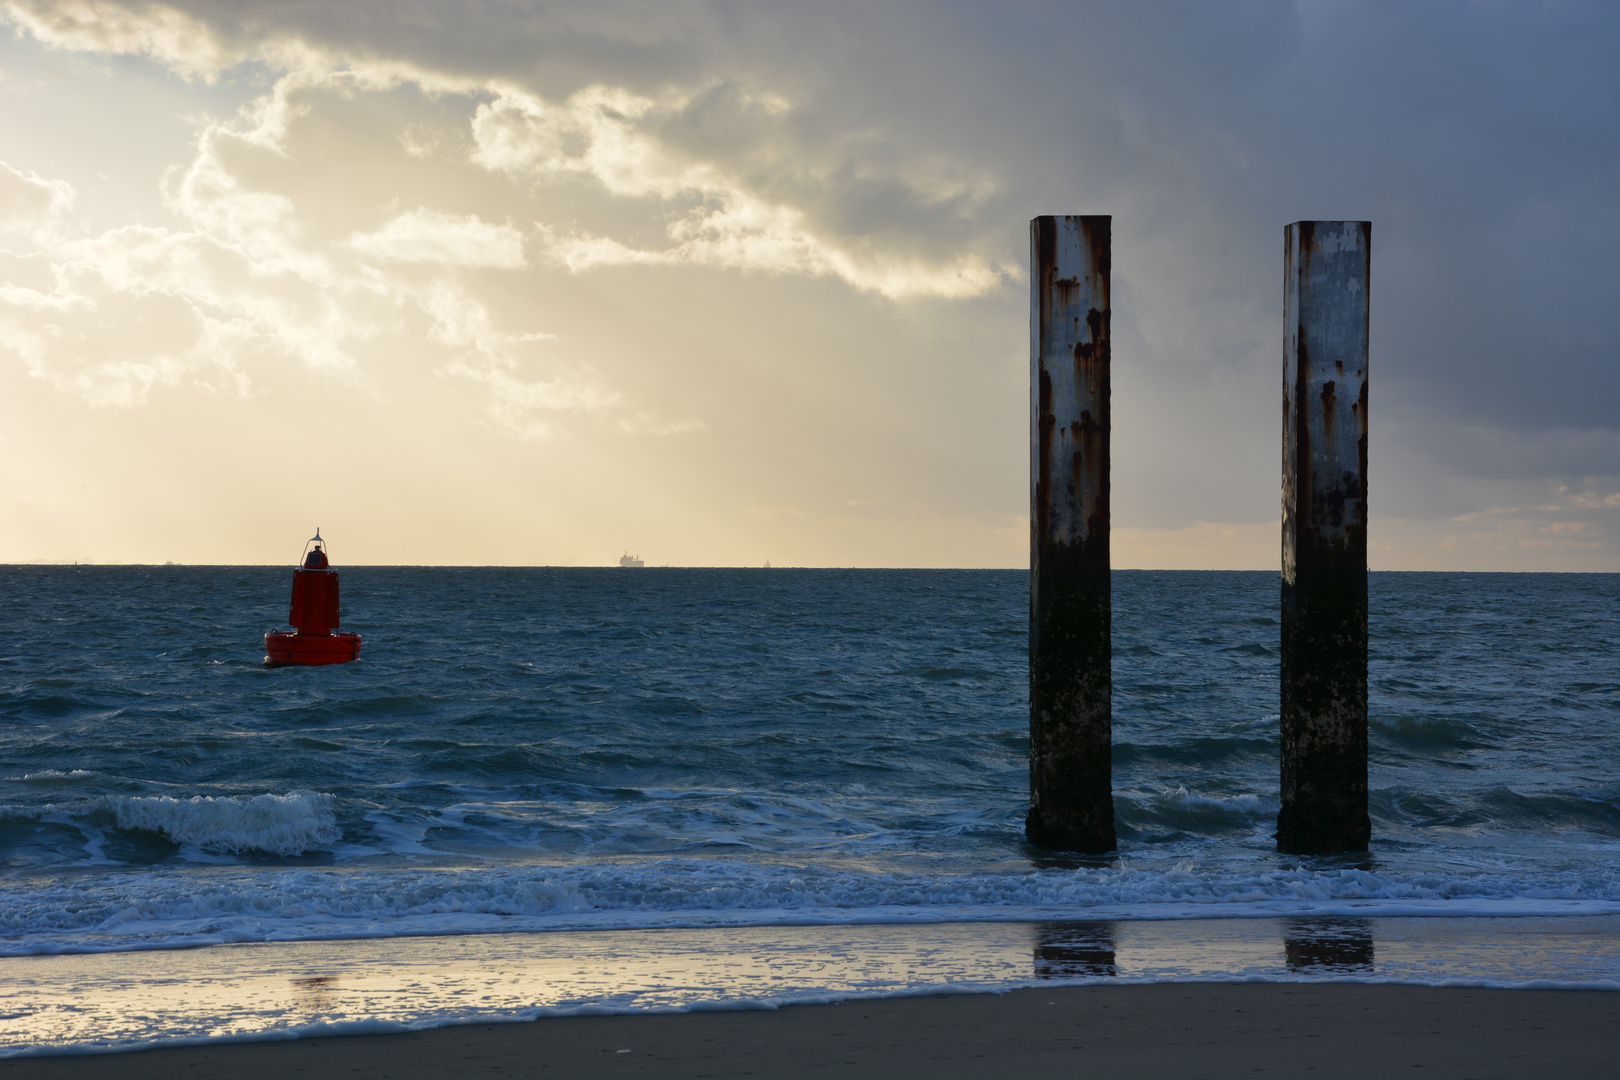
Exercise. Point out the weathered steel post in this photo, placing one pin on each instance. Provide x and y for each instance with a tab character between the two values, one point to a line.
1071	801
1324	538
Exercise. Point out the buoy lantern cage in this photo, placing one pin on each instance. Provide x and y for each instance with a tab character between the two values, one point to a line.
313	613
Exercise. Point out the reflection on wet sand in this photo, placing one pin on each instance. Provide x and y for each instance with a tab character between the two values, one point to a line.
107	1001
315	993
1328	946
1072	950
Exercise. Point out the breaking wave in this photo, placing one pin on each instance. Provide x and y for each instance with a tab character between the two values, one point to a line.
173	908
287	824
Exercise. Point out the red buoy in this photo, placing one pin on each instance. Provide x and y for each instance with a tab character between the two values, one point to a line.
314	615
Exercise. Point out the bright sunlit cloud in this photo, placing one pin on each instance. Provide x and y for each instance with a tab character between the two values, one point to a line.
714	218
425	236
167	35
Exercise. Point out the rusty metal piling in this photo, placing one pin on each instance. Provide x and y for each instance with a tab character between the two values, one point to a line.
1324	538
1071	803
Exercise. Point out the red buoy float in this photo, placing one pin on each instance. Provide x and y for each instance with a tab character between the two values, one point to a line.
314	616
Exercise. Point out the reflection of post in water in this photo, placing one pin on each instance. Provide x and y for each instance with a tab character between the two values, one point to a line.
315	993
1074	950
1328	946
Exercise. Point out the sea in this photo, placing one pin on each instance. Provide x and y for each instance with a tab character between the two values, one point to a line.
562	790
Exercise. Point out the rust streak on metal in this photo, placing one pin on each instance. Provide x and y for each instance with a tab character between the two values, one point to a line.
1324	518
1071	805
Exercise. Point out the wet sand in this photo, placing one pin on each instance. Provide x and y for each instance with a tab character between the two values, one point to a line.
1164	1030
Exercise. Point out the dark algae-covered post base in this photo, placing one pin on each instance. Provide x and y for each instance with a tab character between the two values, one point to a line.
1071	802
1324	538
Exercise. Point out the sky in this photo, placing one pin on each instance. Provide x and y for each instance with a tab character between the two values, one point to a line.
721	283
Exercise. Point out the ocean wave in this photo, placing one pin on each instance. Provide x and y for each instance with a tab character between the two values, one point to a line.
1205	751
1180	810
168	908
57	776
1428	732
287	825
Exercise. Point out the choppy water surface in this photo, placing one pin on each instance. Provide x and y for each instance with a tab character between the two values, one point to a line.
526	749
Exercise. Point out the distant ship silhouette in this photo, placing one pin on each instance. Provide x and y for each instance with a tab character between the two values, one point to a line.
628	559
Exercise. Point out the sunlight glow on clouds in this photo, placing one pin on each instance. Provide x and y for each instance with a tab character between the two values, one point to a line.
170	37
427	236
620	274
610	137
486	355
265	270
252	279
30	200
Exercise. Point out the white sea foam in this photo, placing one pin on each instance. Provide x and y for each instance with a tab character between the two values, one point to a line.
287	824
1191	809
174	908
57	776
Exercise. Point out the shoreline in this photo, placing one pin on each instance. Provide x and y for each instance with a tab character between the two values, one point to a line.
313	990
88	1006
1165	1029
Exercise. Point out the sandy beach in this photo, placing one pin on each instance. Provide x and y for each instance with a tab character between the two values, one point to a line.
1185	1030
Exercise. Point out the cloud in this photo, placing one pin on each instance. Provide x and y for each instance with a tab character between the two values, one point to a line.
489	356
716	218
745	235
432	187
30	199
736	183
249	280
428	236
183	44
265	270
